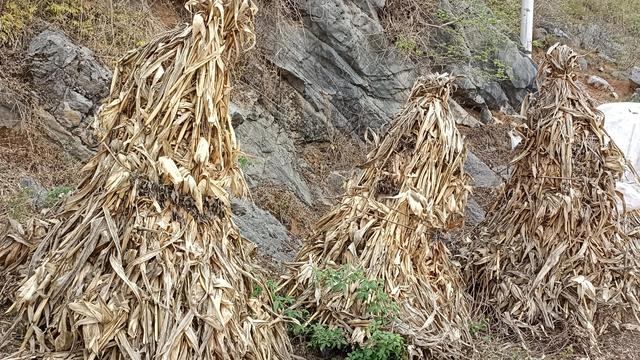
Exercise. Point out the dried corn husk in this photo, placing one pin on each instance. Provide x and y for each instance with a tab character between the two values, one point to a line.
17	242
555	252
413	187
145	262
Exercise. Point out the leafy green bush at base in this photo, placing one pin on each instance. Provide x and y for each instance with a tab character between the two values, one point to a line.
381	344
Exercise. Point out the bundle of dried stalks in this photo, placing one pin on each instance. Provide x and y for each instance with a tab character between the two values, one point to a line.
17	242
554	253
146	262
413	187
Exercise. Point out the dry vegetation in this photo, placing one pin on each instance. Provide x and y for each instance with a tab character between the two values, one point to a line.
620	18
144	256
109	27
355	277
555	256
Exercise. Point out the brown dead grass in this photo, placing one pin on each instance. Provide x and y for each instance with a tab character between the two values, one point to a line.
342	153
112	27
491	144
27	153
288	209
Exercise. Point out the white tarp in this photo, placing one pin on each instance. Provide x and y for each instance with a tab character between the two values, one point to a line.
622	122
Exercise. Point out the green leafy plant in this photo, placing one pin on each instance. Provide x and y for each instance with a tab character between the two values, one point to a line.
501	69
64	10
370	291
408	45
243	161
256	291
380	303
324	338
442	15
383	345
478	326
55	194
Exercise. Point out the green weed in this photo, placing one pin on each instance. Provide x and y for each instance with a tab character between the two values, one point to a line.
324	338
383	345
18	205
243	162
408	45
65	10
55	194
478	326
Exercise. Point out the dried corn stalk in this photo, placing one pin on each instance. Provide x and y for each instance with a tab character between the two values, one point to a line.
412	188
146	262
554	253
15	244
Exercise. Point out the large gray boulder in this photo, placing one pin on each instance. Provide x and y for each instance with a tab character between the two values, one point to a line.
70	81
594	37
262	229
271	153
462	116
340	64
479	87
599	83
10	108
475	214
482	175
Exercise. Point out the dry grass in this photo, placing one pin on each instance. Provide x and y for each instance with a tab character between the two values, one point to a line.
285	206
413	186
143	260
109	27
620	18
554	256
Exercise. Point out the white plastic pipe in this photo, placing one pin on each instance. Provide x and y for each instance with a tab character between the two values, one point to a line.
526	26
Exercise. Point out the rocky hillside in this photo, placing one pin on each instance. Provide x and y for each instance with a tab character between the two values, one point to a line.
324	78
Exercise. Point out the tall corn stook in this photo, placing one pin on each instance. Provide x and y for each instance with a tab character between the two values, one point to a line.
387	224
145	262
555	253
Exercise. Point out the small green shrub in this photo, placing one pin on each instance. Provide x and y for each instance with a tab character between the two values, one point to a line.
408	46
635	24
501	69
506	13
64	10
369	291
324	338
256	291
443	16
55	194
382	345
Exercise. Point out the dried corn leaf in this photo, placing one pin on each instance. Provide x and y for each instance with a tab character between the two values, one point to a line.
145	262
555	252
413	187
